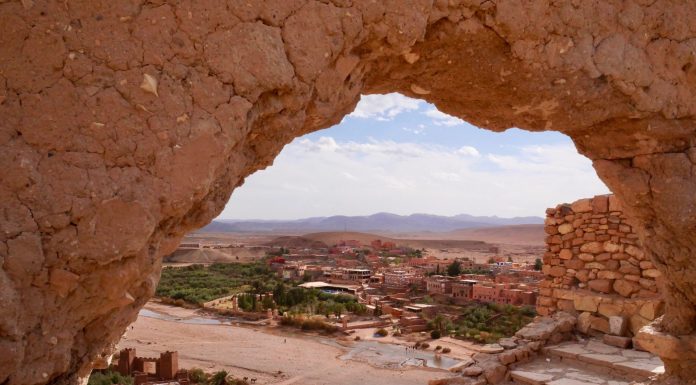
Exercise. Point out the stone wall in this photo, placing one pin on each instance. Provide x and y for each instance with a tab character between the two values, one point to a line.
595	268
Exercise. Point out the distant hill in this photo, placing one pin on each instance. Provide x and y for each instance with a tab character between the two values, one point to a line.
530	235
334	237
381	222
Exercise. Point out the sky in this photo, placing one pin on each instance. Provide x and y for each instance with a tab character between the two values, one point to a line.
401	155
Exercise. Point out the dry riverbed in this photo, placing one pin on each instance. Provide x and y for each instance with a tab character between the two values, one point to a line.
271	355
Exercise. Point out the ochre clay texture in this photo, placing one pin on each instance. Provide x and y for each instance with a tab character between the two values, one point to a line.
124	124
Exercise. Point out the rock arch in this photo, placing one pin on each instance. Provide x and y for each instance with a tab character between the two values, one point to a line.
126	124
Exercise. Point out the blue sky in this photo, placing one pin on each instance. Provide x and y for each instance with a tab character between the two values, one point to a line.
401	155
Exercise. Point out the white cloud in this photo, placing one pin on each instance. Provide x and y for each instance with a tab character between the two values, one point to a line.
441	119
384	107
325	177
468	151
416	131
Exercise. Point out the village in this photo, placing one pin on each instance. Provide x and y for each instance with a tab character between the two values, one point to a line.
399	295
395	282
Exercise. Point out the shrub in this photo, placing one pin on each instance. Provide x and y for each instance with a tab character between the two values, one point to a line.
446	350
219	378
424	345
197	376
108	378
307	324
435	334
382	332
438	347
357	338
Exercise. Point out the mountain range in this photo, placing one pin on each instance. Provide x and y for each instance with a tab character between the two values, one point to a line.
381	222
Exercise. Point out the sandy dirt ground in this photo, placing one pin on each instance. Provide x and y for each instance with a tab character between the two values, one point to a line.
270	356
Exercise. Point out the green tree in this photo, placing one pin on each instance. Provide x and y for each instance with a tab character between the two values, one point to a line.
219	378
268	303
440	324
538	264
454	269
108	378
198	376
338	309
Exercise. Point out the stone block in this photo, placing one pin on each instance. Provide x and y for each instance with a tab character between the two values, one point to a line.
625	288
586	257
494	372
618	325
595	265
531	378
566	228
600	285
620	256
574	264
582	205
583	324
586	302
472	371
553	239
636	322
603	257
565	254
557	271
569	237
543	310
651	310
600	204
582	275
507	357
551	230
651	273
608	274
507	343
566	305
611	247
628	268
609	309
545	301
563	294
634	251
600	324
589	236
618	341
592	247
632	278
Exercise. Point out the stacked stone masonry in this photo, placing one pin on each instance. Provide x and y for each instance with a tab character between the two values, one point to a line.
596	268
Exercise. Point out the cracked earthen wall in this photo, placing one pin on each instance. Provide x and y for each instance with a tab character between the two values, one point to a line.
126	123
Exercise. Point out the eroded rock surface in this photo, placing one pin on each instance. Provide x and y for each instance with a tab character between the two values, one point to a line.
127	123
